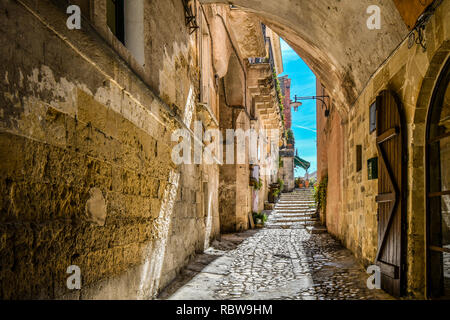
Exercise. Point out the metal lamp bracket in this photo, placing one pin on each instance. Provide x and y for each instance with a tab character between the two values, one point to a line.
320	98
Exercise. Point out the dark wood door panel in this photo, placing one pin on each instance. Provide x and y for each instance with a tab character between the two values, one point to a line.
391	187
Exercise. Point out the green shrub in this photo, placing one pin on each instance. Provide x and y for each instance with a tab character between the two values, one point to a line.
290	137
257	185
320	194
281	183
262	216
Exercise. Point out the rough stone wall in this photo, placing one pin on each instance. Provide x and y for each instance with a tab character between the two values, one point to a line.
285	84
411	74
85	146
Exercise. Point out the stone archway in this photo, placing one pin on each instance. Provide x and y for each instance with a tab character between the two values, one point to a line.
417	222
333	38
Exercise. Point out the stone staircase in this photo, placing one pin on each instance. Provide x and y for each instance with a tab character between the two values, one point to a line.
296	210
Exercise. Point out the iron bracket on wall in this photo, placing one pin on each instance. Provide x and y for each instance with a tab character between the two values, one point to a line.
417	35
191	19
320	98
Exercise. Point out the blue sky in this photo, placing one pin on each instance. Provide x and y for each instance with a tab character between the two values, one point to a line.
304	121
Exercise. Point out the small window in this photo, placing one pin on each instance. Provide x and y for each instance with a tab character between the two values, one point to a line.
358	158
372	168
373	117
115	18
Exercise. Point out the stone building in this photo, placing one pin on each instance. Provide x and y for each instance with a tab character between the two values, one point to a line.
287	169
391	58
88	124
88	118
285	84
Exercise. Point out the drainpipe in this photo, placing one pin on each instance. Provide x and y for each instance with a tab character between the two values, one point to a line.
212	46
237	55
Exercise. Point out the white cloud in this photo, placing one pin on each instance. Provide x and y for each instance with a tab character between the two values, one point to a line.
305	128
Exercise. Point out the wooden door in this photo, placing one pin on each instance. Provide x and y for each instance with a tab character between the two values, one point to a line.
438	189
391	193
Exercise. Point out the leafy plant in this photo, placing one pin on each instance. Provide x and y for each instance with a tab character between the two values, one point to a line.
281	183
261	216
280	162
279	96
256	184
276	193
320	194
290	137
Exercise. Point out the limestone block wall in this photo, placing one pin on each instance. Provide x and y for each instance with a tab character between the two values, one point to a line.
351	210
85	151
287	174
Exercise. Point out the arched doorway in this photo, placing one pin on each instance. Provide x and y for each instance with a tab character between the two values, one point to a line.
438	188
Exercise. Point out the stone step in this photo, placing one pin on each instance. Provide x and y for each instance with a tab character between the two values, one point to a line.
293	216
304	202
316	229
307	205
296	200
294	221
295	210
289	218
298	204
284	215
297	194
286	225
303	196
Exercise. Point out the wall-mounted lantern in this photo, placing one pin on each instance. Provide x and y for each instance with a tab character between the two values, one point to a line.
296	103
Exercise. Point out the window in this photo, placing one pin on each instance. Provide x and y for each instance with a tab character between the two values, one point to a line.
372	168
115	18
373	118
438	188
358	158
125	19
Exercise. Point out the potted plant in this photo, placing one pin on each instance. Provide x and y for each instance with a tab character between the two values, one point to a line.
259	218
256	184
274	191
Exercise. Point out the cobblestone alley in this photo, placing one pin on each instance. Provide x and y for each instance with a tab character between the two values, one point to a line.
286	259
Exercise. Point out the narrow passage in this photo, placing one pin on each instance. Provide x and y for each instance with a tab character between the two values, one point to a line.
284	260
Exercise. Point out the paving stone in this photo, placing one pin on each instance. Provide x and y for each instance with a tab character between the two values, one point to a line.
277	264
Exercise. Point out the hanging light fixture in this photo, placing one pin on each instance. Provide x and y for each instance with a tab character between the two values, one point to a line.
296	103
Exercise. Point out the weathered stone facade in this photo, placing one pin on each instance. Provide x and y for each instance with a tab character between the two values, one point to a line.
88	116
354	64
351	208
87	177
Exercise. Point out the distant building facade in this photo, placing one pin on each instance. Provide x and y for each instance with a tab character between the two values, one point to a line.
285	84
